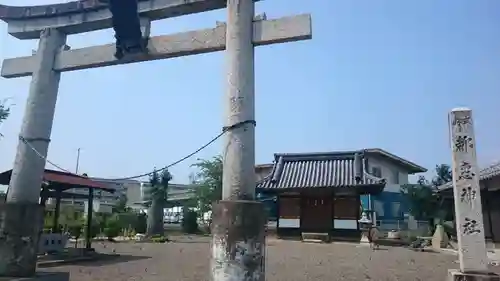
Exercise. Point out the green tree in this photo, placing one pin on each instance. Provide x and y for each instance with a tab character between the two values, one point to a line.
207	183
158	196
443	175
423	200
4	112
121	205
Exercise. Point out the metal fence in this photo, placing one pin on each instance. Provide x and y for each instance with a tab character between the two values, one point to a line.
417	228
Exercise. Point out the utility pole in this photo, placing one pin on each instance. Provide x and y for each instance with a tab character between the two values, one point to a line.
77	160
238	243
76	171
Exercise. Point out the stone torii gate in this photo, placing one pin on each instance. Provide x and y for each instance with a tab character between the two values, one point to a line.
238	241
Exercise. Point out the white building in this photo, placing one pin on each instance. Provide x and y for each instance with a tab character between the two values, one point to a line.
103	198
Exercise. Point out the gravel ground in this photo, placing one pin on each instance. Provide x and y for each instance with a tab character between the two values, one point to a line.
187	260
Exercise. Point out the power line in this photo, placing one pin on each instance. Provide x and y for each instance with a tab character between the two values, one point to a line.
124	178
224	130
176	162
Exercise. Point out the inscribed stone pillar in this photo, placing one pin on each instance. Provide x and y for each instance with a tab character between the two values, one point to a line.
468	211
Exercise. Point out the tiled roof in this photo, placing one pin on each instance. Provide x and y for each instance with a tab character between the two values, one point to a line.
485	174
490	172
316	170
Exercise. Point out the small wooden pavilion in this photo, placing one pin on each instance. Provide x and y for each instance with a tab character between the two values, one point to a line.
320	192
56	185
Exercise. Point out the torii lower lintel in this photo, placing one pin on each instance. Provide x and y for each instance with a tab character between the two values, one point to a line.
286	29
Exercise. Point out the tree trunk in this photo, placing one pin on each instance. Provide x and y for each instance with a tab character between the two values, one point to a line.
155	218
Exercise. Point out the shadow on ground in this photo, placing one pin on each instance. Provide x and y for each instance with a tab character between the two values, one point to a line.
100	260
189	242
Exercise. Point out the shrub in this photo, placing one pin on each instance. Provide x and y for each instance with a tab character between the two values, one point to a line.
140	225
75	230
131	232
111	232
159	239
190	222
112	227
95	228
127	219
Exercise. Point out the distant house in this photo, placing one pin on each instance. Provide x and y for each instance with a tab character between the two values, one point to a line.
389	206
489	181
323	192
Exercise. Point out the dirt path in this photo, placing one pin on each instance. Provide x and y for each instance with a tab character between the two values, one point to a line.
187	260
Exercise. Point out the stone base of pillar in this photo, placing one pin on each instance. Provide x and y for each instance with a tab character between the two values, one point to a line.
456	275
238	241
20	226
41	276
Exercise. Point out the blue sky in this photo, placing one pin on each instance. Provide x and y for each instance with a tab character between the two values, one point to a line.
379	73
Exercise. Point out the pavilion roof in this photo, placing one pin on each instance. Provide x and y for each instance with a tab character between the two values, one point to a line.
58	178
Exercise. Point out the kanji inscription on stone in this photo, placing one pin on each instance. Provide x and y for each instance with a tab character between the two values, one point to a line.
461	122
466	172
463	143
467	195
470	226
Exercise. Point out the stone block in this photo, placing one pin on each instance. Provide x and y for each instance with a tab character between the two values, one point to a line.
456	275
440	238
41	276
20	227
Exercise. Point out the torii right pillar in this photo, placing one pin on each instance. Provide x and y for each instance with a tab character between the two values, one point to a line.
238	227
467	195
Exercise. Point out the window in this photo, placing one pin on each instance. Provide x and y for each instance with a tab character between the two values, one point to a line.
376	171
395	175
378	207
289	208
346	208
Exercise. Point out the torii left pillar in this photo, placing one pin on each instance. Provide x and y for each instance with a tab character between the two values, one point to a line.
21	216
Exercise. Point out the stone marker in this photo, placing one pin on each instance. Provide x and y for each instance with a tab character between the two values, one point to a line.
468	211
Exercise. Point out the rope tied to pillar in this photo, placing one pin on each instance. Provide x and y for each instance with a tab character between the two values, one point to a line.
238	125
25	140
